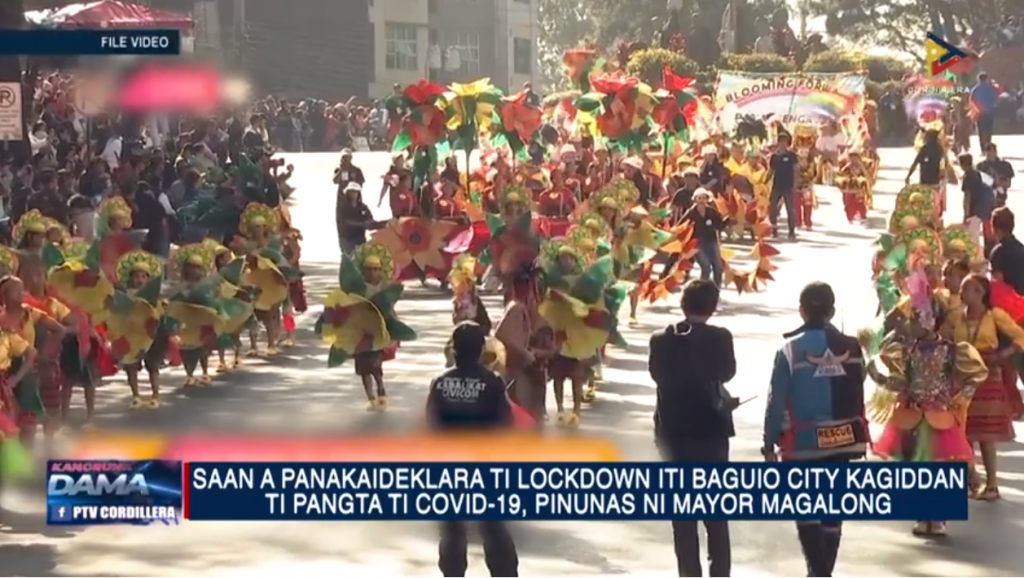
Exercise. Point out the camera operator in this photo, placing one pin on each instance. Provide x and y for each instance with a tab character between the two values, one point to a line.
272	180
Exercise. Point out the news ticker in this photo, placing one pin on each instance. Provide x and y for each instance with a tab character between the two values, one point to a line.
139	492
111	42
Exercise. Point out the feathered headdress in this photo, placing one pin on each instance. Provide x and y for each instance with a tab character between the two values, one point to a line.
920	293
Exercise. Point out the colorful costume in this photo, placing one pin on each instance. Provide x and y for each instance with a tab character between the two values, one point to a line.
136	327
359	320
804	138
854	180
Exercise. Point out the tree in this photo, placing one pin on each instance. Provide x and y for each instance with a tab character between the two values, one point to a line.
12	17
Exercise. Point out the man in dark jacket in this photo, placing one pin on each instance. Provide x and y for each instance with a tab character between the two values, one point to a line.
470	397
693	415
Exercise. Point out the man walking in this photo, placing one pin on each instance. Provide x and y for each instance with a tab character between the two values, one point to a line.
782	173
693	413
815	410
985	97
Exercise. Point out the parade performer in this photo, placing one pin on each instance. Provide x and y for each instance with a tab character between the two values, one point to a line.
804	138
230	268
138	332
17	357
512	242
291	240
266	269
528	341
573	306
359	320
924	398
854	180
933	160
989	415
560	199
467	306
200	309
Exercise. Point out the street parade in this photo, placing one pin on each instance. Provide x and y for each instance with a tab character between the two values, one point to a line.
561	229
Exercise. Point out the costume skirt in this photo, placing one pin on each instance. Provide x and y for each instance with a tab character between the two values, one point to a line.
923	443
155	357
990	415
74	369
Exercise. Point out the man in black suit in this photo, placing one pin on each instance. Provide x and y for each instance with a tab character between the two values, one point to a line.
693	415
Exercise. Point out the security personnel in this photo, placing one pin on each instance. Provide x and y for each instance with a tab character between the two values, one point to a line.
469	397
815	410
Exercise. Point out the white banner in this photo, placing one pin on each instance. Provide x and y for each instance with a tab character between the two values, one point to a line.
12	122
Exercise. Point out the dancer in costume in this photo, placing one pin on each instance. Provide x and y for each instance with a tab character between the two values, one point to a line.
192	308
227	267
933	161
359	320
804	138
17	357
560	199
924	398
528	343
989	416
137	329
854	180
27	320
573	306
266	270
467	306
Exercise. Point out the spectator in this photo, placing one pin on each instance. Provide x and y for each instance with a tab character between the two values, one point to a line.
985	97
1007	257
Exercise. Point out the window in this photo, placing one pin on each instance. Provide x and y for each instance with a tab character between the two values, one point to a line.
468	45
402	47
522	56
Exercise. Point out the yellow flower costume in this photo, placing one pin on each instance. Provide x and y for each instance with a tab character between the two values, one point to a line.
135	315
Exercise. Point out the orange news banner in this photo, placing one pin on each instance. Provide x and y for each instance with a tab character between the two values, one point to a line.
410	448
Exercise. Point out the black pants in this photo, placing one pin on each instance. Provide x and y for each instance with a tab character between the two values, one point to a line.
986	120
499	549
820	540
685	533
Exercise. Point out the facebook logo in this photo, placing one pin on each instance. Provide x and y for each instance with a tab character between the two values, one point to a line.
60	513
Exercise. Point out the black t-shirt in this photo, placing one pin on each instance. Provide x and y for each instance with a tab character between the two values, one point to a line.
980	196
930	166
712	177
706	226
349	174
683	198
348	216
997	169
1008	259
468	398
783	167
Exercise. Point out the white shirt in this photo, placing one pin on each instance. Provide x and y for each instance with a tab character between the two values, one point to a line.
112	152
831	143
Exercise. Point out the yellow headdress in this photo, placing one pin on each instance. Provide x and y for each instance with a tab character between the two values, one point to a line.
259	215
923	244
556	248
957	243
607	197
196	254
804	137
584	240
114	208
375	255
136	261
625	191
215	247
31	222
515	193
54	226
8	261
74	249
915	207
593	224
462	277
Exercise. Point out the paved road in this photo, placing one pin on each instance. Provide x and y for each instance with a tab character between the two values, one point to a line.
300	395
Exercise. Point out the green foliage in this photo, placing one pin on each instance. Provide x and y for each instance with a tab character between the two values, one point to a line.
756	63
835	60
648	64
886	68
875	90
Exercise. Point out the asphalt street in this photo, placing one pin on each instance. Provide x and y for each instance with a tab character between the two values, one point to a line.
298	394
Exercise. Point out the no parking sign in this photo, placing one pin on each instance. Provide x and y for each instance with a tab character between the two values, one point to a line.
12	123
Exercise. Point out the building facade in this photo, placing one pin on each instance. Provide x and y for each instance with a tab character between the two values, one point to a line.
454	41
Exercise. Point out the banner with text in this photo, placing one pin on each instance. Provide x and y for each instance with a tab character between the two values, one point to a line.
791	97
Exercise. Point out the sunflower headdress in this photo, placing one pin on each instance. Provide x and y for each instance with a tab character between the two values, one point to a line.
554	249
373	255
515	193
31	222
75	249
915	207
594	224
924	246
113	208
257	215
8	261
136	261
608	197
197	254
957	243
584	240
625	190
462	277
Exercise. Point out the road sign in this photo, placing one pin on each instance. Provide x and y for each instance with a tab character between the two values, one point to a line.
12	122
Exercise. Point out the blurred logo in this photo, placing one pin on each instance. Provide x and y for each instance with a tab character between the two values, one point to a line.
941	56
60	513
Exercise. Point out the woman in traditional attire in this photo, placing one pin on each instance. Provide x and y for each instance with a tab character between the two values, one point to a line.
192	309
229	269
266	269
27	320
996	337
466	302
17	357
804	138
359	320
924	398
137	329
559	200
